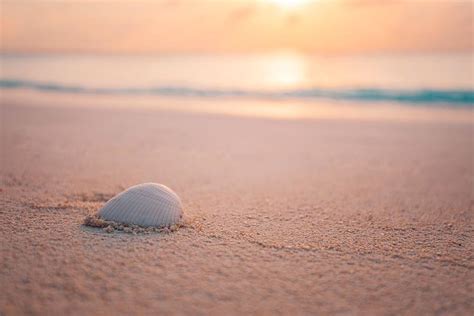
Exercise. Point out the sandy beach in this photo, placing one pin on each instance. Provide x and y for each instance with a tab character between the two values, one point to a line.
283	157
315	216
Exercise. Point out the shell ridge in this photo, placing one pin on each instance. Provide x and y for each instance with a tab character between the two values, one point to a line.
178	214
155	218
129	209
160	221
112	203
167	217
117	212
149	216
136	211
170	191
147	204
105	208
167	191
153	196
147	209
109	207
172	215
159	205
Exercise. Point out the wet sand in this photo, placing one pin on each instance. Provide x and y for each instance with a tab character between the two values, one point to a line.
317	216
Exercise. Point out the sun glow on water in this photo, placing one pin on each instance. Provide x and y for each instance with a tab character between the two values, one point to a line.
285	71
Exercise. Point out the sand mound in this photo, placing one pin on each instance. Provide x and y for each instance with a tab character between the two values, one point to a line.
111	226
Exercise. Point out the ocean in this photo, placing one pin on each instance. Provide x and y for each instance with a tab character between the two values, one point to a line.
416	79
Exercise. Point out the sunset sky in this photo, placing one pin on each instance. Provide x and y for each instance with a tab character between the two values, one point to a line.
210	26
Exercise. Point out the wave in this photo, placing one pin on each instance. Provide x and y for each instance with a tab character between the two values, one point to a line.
433	96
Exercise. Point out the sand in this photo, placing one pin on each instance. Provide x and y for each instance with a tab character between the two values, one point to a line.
318	216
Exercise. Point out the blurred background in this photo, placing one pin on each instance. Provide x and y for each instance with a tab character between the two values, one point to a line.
416	52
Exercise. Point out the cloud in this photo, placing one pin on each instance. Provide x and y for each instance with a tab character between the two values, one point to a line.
242	13
361	3
171	3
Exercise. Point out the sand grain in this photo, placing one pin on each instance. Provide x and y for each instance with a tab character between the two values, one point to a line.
288	217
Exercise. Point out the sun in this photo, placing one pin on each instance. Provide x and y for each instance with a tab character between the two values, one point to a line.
289	3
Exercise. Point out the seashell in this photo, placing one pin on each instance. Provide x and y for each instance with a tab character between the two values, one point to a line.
147	204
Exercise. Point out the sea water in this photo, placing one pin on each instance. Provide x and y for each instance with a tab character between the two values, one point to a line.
415	79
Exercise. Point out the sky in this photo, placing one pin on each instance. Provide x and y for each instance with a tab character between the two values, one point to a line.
242	26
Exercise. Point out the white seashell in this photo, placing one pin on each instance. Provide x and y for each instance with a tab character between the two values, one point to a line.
147	204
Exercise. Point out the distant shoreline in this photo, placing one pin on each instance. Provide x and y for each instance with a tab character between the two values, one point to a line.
273	109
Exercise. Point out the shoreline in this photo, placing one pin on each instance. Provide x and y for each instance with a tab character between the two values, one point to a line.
271	109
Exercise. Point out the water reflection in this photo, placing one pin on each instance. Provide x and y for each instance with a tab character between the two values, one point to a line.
285	71
249	72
